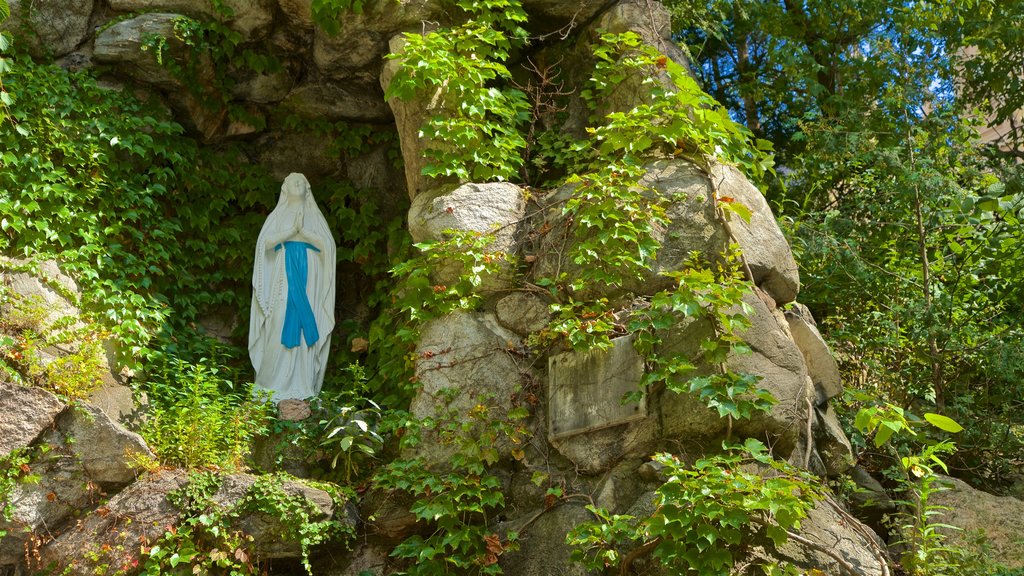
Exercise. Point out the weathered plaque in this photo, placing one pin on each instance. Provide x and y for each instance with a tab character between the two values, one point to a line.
585	389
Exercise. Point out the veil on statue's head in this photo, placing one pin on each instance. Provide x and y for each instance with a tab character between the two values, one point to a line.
268	277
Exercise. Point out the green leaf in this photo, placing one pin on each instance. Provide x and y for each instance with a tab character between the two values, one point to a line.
883	435
943	422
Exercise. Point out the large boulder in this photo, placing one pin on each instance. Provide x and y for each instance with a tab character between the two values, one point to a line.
140	514
80	456
978	513
410	117
122	45
764	247
493	208
821	366
832	542
542	550
774	358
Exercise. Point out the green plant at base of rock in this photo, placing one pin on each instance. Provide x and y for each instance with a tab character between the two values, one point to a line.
204	542
457	499
927	552
197	419
703	514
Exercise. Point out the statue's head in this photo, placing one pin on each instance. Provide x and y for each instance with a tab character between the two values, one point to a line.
295	188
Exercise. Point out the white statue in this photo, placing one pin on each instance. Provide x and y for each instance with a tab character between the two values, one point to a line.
292	295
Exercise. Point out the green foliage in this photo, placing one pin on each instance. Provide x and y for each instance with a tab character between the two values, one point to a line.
458	500
474	132
350	436
144	219
14	470
205	540
197	418
326	13
211	44
927	552
675	112
703	513
906	228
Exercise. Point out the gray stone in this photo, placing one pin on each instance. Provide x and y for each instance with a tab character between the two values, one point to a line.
542	549
486	208
869	501
387	16
387	514
619	489
462	361
821	366
62	489
302	152
598	451
298	12
585	389
493	208
652	472
46	295
331	101
251	18
764	247
367	559
265	88
122	43
652	21
998	518
522	313
566	16
693	227
104	447
82	456
376	170
340	55
27	412
57	26
832	444
113	399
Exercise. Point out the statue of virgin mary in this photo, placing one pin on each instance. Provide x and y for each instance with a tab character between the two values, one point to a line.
292	295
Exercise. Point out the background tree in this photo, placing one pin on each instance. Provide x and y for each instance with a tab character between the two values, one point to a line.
908	228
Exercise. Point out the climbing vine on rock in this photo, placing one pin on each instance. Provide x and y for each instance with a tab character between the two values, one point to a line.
702	513
474	131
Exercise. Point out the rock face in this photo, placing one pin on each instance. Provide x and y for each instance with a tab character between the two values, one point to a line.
463	361
585	439
77	453
27	412
56	27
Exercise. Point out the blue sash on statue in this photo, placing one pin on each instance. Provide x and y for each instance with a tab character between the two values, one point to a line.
298	316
